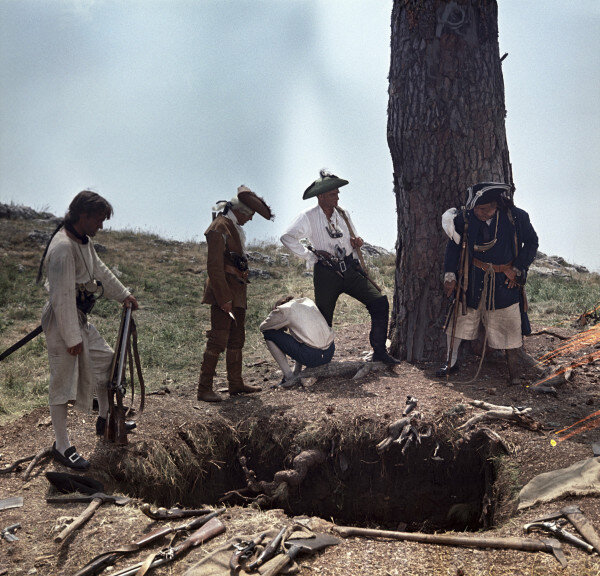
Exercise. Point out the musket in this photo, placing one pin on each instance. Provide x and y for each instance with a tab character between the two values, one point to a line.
115	426
178	513
97	564
21	343
211	529
365	271
461	291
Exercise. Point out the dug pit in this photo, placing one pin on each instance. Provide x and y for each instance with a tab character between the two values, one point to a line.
331	470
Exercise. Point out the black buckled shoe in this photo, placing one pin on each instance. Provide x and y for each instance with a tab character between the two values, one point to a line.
70	458
101	426
446	371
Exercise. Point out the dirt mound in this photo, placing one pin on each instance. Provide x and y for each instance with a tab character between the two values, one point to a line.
192	454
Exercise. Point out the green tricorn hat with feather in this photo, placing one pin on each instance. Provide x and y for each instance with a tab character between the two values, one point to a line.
325	183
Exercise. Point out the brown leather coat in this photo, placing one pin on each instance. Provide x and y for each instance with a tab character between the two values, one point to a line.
221	285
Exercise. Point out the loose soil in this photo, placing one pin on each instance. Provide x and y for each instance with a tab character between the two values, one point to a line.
186	452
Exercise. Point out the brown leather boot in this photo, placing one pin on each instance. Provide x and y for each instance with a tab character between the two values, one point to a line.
207	373
234	374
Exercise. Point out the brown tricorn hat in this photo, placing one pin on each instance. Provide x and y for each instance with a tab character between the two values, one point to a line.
254	202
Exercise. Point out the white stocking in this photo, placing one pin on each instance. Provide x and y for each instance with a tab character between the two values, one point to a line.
102	395
457	342
58	415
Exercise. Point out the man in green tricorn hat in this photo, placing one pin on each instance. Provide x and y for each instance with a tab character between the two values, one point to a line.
334	253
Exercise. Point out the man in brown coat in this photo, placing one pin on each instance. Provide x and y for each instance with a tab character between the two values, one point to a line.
225	291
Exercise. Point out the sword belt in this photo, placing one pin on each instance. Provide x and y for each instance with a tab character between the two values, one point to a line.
241	276
497	268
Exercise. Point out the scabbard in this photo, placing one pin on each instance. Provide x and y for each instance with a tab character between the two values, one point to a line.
584	527
21	343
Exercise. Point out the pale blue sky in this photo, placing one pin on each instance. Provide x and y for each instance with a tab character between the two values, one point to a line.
165	107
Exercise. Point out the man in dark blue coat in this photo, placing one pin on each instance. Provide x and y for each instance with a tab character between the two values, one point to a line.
499	245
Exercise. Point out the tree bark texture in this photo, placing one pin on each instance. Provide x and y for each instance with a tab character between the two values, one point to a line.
446	131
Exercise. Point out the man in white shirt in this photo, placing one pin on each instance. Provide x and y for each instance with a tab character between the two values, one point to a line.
80	359
333	253
296	328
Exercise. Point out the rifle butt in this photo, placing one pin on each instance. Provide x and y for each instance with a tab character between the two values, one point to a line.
212	528
277	564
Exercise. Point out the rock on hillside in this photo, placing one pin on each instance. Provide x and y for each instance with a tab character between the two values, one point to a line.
16	212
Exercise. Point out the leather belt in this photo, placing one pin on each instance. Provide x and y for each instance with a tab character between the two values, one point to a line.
339	264
242	276
498	268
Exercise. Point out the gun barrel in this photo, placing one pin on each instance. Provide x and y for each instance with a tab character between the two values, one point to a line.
123	346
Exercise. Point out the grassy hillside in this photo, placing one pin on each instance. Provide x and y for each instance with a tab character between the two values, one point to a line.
167	278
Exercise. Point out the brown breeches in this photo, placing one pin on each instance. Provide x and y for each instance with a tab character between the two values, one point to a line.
224	333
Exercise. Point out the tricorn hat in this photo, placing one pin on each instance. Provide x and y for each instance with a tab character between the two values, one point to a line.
486	192
254	202
325	183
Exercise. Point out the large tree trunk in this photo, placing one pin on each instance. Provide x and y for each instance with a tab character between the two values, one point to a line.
445	132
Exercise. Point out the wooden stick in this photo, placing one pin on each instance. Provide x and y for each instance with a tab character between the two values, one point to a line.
14	466
45	453
80	520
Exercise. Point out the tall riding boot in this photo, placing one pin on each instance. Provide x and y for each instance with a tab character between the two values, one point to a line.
379	310
514	369
234	374
207	373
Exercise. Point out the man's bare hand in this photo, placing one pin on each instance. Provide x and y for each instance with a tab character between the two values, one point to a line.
75	350
131	302
356	242
227	307
449	288
511	278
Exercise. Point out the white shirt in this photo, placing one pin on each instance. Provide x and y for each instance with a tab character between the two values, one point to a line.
304	321
239	229
69	263
311	225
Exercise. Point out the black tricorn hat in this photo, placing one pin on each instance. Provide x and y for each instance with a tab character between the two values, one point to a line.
486	192
325	183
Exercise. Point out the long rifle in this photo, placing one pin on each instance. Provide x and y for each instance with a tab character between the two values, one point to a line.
212	528
97	565
115	426
358	250
460	296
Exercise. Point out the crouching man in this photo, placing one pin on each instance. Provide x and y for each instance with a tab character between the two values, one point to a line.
80	359
297	329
